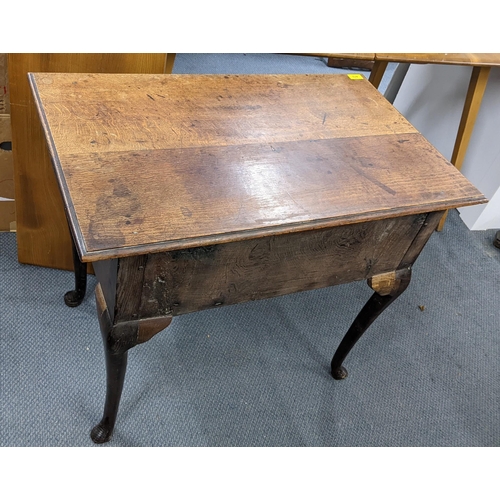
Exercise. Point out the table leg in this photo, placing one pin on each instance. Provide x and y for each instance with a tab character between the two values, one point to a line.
388	287
496	241
396	81
475	92
377	73
115	352
118	338
116	366
75	297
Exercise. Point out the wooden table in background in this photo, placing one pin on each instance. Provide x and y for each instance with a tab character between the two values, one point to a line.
481	64
189	192
43	238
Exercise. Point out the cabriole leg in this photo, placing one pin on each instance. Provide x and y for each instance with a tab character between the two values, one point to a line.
388	287
115	353
75	297
116	366
118	338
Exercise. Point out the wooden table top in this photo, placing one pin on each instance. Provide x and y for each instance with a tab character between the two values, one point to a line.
148	163
475	59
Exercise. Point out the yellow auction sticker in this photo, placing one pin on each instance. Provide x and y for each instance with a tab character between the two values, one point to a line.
355	76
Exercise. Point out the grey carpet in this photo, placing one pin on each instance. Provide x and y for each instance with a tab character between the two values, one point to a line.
265	63
257	374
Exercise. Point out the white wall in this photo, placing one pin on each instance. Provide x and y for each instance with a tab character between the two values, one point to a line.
432	99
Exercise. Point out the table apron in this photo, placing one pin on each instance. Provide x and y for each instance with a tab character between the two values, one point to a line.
183	281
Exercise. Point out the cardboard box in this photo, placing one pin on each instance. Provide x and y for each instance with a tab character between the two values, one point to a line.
6	162
7	215
7	203
4	86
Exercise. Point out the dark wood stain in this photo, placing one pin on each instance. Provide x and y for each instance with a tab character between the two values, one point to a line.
430	223
179	282
106	273
130	278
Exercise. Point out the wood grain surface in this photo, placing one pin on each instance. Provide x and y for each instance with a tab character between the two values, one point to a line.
43	237
473	59
193	279
149	163
110	113
181	281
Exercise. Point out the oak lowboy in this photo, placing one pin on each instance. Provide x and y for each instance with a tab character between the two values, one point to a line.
188	192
